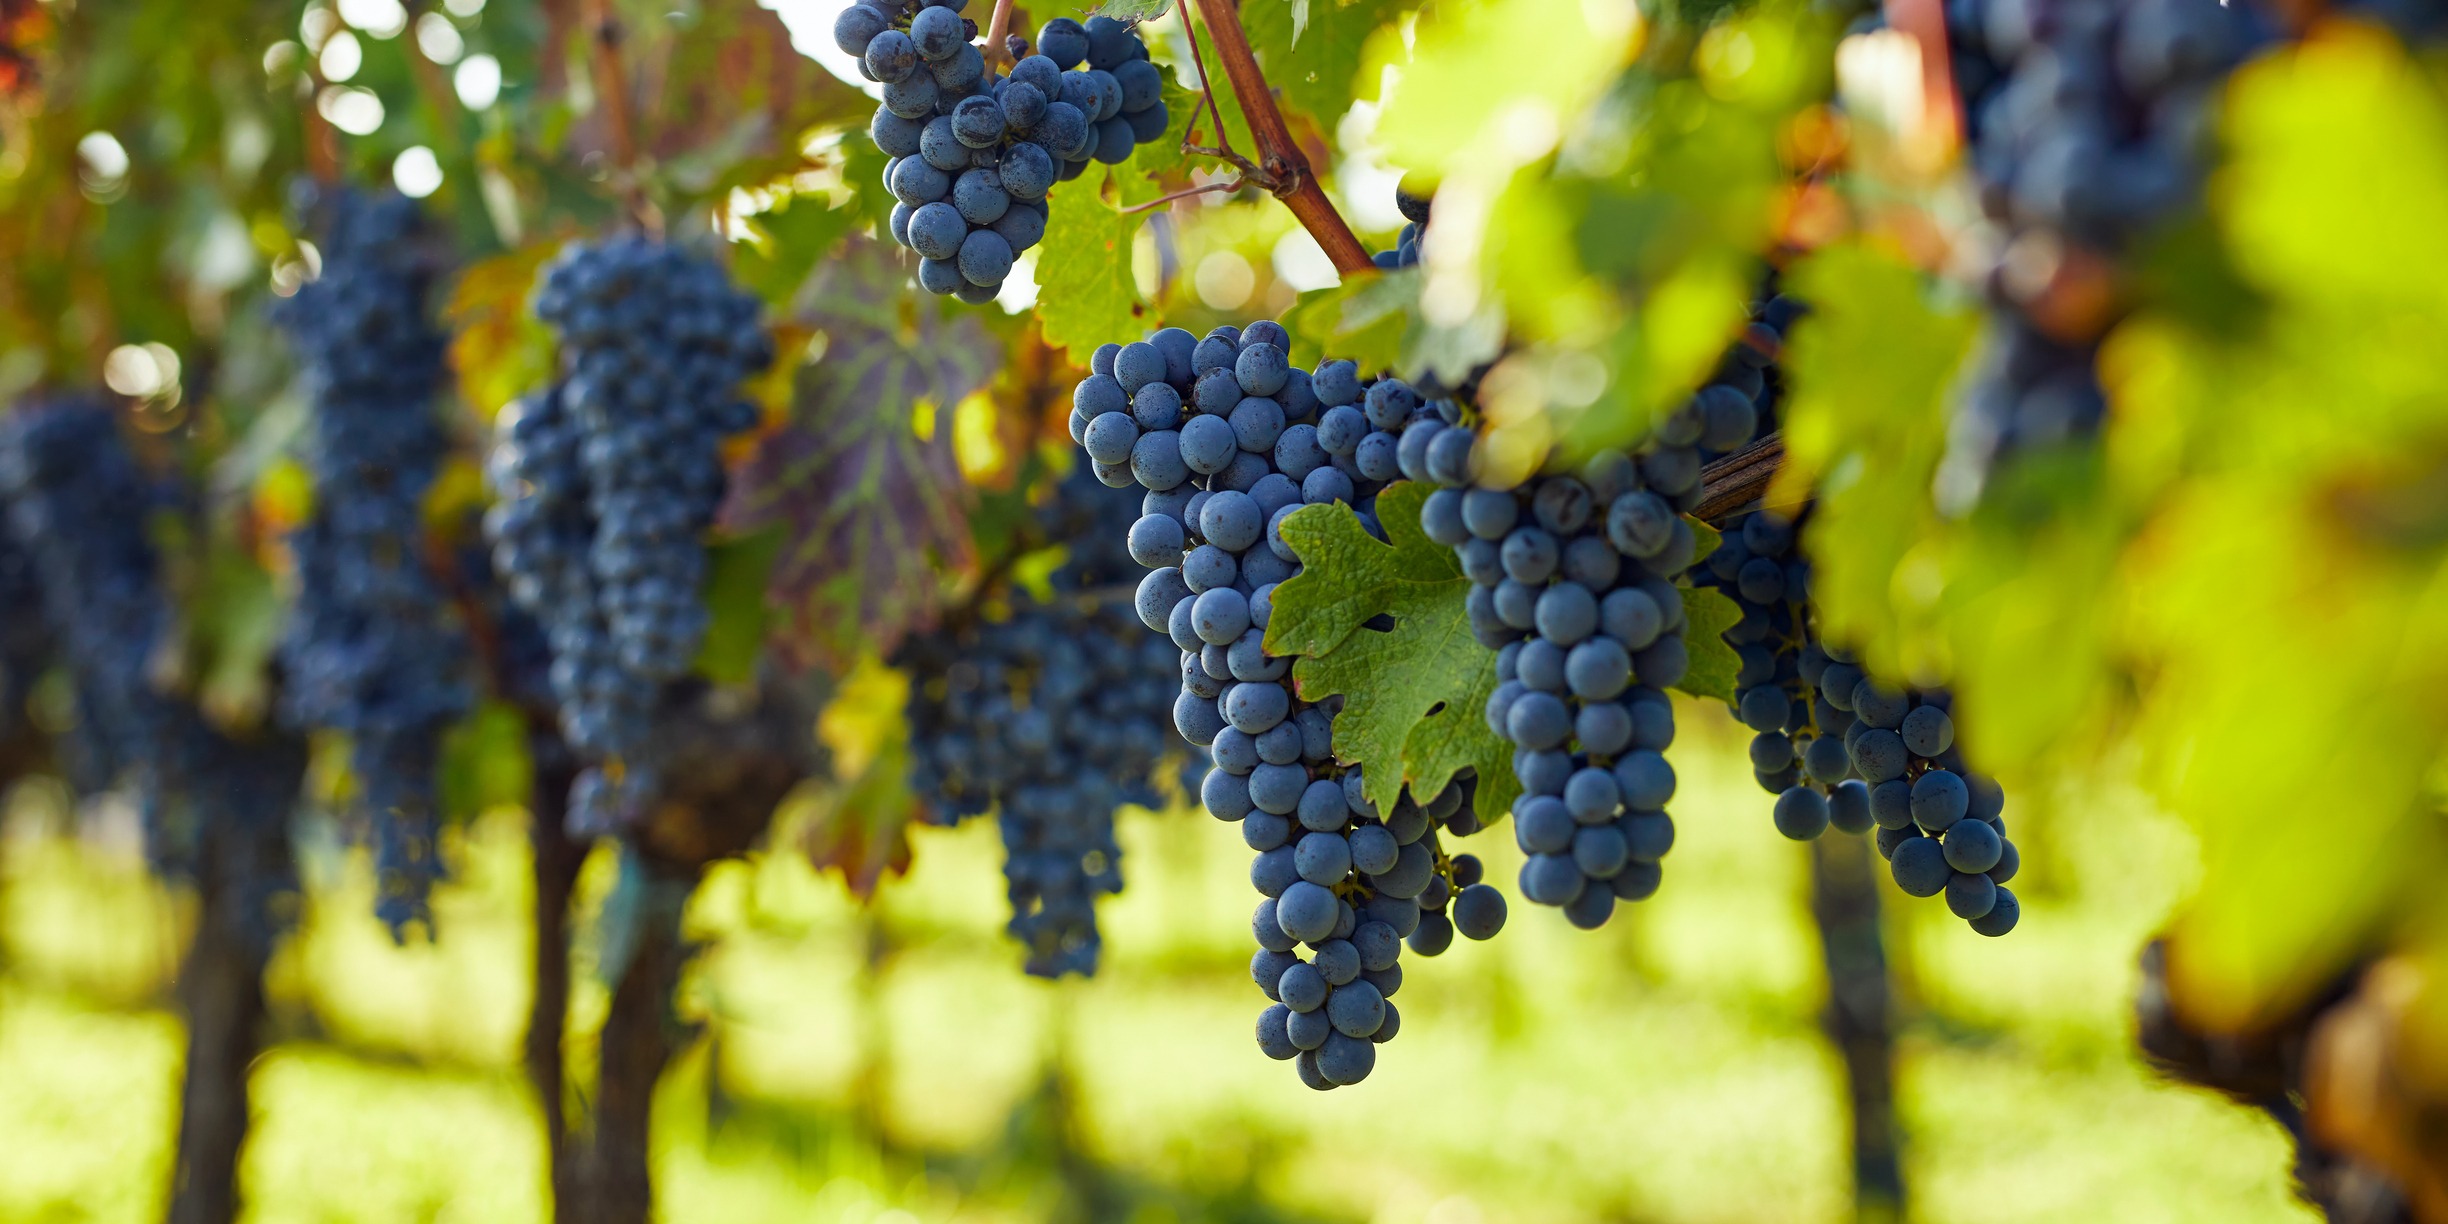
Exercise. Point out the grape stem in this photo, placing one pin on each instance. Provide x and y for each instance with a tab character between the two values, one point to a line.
603	35
996	27
1286	167
1223	150
1237	183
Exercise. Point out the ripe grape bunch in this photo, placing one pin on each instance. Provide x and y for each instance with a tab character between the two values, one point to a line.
973	152
2090	126
1573	584
1228	438
605	484
369	647
1053	713
1839	749
77	506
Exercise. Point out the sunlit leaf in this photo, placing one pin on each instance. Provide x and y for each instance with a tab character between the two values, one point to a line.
1707	614
1413	695
1868	372
786	241
1365	319
2293	593
1086	293
1314	63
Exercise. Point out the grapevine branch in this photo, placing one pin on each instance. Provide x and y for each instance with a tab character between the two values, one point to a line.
1739	479
603	35
1223	150
1286	167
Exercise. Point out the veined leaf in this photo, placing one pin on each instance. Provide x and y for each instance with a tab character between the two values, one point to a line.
867	502
1412	694
1311	49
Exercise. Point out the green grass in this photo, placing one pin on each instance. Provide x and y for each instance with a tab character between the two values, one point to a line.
892	1065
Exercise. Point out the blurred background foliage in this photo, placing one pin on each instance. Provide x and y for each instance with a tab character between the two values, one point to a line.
1669	1067
2206	654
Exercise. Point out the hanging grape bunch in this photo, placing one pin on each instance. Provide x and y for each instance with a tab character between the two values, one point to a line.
1838	749
2089	126
1573	584
974	153
369	649
78	506
1941	827
1228	438
1054	714
1795	752
605	484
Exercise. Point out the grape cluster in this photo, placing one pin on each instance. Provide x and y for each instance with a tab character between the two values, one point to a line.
78	505
1940	827
2089	124
605	484
1795	752
1738	404
1839	749
1052	713
78	509
1228	438
371	647
1572	582
973	152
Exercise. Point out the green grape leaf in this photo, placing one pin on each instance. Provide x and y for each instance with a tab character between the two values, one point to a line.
1312	49
1133	10
1707	614
784	244
1087	294
1412	694
860	480
1186	108
1364	319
